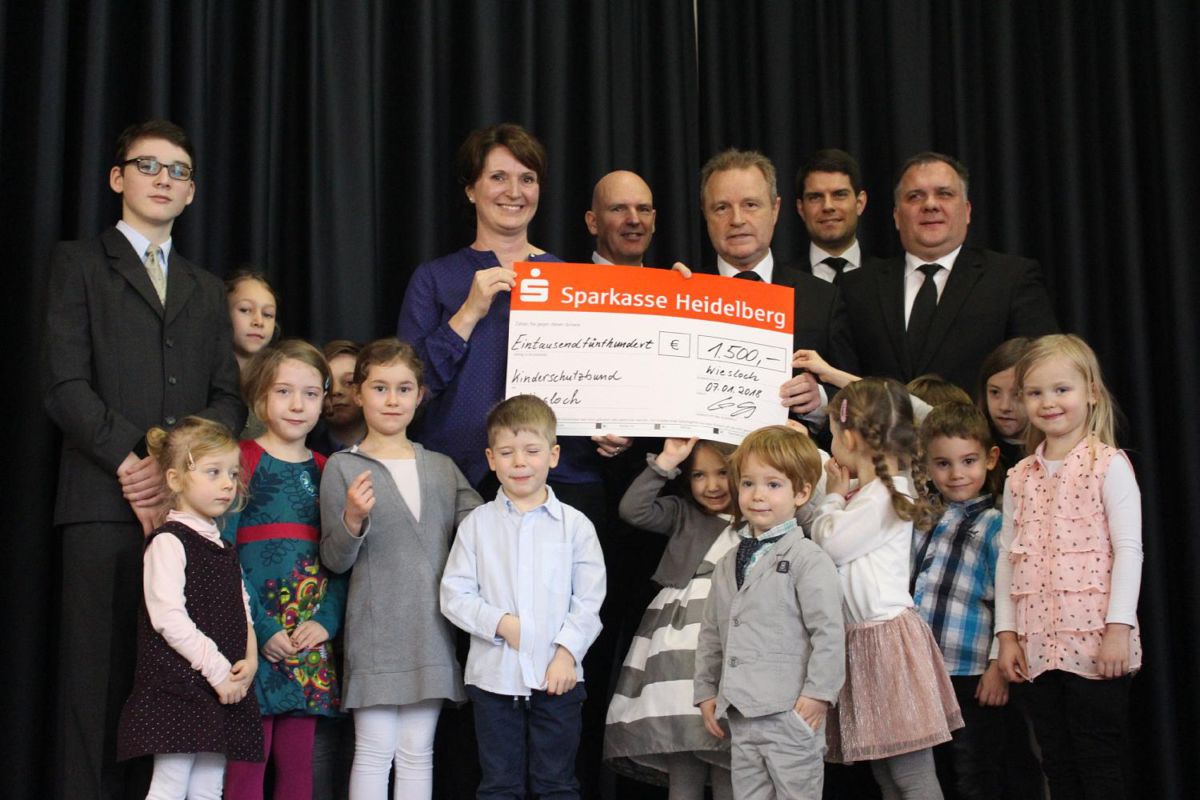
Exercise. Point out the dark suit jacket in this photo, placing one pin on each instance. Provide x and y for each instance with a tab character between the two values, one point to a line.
822	323
989	297
117	365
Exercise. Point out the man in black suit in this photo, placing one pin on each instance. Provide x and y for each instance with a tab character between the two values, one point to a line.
941	307
621	218
136	336
829	199
741	206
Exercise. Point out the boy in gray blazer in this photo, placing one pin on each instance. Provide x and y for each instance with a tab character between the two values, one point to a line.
771	656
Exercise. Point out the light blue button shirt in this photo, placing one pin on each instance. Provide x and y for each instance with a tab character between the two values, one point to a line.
545	567
141	244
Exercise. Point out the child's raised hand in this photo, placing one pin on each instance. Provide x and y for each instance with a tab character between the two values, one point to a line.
309	634
360	499
811	360
708	710
560	675
837	478
674	452
992	689
812	711
278	647
1012	658
1113	658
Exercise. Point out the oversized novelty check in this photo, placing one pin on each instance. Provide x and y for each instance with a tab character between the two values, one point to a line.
646	352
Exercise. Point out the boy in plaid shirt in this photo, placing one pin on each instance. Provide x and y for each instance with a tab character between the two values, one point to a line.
953	587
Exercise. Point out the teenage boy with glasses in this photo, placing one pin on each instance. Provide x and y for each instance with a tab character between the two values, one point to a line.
136	336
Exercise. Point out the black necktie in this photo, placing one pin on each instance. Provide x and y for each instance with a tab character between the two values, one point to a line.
837	264
921	316
748	275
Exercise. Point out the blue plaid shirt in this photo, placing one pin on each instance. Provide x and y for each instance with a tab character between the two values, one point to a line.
954	585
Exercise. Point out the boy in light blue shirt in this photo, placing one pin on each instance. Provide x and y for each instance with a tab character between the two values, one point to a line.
526	579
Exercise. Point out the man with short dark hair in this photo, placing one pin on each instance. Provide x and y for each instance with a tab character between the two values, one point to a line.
941	307
136	336
829	199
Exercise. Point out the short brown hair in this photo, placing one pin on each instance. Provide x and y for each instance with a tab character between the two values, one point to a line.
960	420
779	447
154	129
341	347
383	352
936	390
739	159
521	143
263	366
191	439
524	412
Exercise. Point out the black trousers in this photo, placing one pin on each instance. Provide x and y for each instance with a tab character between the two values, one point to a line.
1081	727
102	592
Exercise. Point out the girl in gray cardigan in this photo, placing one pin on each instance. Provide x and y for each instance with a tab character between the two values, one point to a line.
389	509
653	730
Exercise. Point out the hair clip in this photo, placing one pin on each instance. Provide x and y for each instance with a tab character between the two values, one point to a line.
842	413
191	461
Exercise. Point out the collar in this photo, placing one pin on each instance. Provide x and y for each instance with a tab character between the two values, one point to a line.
599	259
1040	452
764	268
852	254
769	536
972	507
552	505
141	244
201	525
911	262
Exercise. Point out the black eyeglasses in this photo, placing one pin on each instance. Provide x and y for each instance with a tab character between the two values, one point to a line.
149	165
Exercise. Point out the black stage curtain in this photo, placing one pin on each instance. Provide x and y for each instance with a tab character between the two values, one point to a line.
326	133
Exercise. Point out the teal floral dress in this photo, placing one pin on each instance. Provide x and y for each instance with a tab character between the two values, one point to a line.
278	537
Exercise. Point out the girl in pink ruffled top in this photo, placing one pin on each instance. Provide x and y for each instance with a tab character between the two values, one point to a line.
1069	571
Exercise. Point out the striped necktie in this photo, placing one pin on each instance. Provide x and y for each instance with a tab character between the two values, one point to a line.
157	277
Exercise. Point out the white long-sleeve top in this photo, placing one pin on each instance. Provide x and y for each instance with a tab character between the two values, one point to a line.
870	546
543	566
1123	508
163	578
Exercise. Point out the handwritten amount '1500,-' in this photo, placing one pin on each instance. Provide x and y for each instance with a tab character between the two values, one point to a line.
732	351
744	409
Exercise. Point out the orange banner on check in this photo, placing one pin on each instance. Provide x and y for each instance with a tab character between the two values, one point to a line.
643	290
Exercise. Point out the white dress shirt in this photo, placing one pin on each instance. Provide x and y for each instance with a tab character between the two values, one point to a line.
852	254
913	278
764	268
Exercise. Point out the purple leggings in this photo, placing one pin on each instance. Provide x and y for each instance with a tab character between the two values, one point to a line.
289	742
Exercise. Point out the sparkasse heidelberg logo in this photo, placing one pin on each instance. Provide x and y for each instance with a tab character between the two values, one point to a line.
535	289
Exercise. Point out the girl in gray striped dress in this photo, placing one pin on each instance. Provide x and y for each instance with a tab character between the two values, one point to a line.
653	732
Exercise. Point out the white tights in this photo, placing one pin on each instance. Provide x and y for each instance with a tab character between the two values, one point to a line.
394	735
187	776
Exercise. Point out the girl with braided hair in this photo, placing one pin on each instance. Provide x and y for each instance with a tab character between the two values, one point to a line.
897	702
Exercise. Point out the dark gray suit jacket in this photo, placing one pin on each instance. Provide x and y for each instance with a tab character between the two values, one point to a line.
116	364
989	298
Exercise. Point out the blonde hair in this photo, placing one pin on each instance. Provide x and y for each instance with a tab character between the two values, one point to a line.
781	448
879	410
192	439
1101	414
264	366
524	412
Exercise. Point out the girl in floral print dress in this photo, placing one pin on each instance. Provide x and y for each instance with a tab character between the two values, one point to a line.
296	604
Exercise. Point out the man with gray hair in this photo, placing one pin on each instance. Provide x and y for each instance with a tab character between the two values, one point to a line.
741	202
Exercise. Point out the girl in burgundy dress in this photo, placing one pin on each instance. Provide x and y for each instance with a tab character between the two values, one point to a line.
191	707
